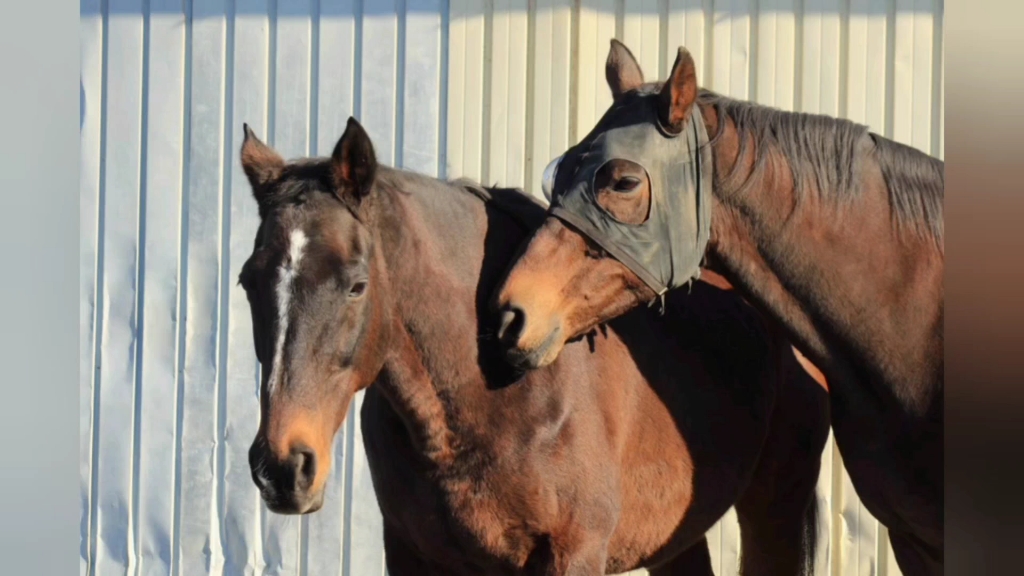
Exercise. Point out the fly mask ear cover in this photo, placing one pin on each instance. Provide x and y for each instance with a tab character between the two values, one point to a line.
664	251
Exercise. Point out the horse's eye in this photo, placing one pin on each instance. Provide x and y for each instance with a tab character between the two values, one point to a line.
357	289
627	184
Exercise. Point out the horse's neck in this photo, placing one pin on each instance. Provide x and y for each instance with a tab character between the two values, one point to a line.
433	332
413	394
807	264
735	247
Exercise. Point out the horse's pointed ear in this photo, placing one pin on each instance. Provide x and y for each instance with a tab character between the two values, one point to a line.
679	92
622	70
353	163
259	161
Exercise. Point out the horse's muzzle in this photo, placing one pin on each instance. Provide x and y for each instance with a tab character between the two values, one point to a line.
286	485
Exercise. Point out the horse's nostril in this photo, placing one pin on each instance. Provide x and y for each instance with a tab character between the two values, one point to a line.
304	462
507	317
256	465
257	480
512	321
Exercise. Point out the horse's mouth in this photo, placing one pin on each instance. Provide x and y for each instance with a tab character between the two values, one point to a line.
538	357
292	505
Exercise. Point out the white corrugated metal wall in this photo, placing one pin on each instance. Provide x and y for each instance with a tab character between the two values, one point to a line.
489	89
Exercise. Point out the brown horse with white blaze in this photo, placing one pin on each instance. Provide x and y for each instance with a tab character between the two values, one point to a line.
620	454
833	232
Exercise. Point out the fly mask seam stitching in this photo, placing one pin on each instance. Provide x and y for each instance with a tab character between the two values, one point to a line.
286	277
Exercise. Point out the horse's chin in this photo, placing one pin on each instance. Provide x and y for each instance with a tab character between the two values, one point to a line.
295	505
550	356
537	357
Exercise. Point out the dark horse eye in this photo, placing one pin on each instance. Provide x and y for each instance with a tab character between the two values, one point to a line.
357	289
627	184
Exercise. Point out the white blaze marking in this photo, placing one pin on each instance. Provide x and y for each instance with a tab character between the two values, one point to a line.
286	275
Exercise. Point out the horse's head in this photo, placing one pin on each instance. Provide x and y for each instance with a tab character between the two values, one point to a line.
315	292
619	197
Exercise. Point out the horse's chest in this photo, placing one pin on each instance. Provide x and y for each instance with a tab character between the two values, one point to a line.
468	523
462	525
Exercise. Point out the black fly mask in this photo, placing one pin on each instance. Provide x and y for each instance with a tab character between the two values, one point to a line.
664	251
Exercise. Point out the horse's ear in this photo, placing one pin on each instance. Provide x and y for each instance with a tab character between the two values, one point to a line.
622	70
679	92
353	163
259	161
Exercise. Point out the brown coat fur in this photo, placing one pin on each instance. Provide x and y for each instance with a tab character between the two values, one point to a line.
621	454
833	233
